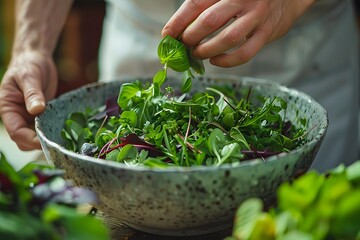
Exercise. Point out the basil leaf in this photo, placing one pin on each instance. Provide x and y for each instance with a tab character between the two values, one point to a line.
196	64
186	82
127	92
160	77
129	117
173	54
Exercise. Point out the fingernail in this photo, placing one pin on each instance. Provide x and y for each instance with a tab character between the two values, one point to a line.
36	106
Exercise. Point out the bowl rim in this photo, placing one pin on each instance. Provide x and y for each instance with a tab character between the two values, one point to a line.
226	166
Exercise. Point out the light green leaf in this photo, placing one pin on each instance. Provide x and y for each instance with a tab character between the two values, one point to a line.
186	82
246	217
216	141
299	196
127	92
236	134
127	152
173	54
229	119
196	64
129	117
160	77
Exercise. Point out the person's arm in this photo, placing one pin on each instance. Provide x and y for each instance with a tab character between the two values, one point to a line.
39	24
251	25
31	77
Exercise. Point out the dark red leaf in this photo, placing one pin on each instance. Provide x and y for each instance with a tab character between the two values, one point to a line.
111	109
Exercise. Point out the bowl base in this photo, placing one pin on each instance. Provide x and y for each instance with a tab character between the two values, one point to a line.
118	227
184	232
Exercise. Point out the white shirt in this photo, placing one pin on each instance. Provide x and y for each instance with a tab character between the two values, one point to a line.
319	56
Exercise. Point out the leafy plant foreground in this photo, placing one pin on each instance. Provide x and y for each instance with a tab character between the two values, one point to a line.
37	203
313	207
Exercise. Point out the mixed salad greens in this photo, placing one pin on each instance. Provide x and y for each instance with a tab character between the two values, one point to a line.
313	207
154	126
38	203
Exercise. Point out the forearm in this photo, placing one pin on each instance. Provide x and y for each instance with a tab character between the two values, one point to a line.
39	24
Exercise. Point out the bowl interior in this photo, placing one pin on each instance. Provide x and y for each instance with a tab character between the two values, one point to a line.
300	105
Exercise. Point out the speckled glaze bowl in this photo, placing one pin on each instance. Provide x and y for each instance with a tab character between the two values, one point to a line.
177	200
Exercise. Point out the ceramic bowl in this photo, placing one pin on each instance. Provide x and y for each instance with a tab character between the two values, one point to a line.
179	200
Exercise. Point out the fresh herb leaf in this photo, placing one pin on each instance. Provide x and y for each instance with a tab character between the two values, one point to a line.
172	53
38	203
313	206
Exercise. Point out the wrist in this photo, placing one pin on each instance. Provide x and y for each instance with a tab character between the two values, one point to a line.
34	42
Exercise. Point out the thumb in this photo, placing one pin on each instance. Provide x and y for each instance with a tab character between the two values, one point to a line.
33	96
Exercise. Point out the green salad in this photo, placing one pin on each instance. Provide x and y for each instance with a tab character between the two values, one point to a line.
154	125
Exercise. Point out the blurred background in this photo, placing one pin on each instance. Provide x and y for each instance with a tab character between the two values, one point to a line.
75	56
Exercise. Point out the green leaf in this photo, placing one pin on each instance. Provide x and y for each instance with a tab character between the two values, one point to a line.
156	89
73	223
173	54
246	217
186	82
216	142
264	228
79	118
228	150
69	143
353	173
113	155
236	134
155	163
346	220
196	64
127	92
160	77
297	235
229	119
127	152
19	226
298	196
8	170
129	117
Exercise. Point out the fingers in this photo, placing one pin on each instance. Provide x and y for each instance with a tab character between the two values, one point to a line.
184	16
211	20
242	54
30	78
33	95
16	119
234	35
19	130
30	85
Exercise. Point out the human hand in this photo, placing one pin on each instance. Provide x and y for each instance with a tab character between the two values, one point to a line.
30	80
250	25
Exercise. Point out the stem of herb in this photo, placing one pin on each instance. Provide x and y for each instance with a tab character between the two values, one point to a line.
106	146
305	133
101	126
188	127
